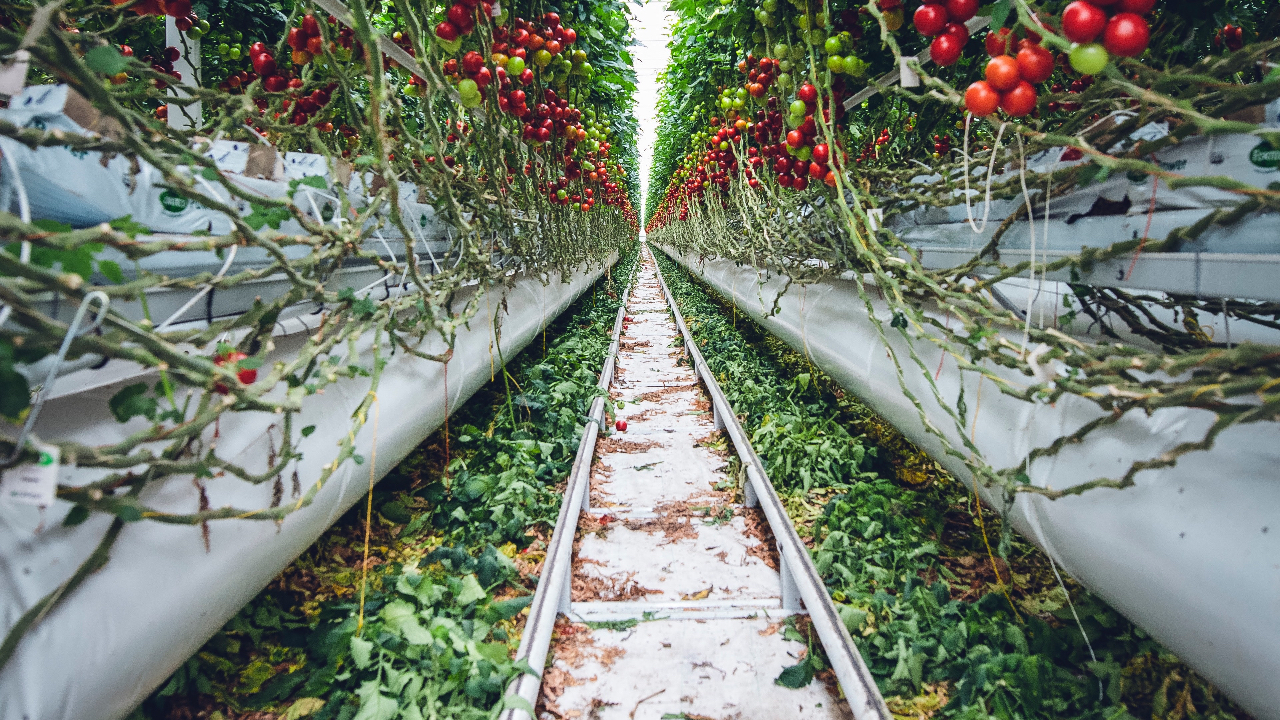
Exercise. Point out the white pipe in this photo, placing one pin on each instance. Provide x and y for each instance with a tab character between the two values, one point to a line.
1189	553
161	596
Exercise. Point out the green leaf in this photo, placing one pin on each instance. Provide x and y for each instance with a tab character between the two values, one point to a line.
78	514
306	431
105	59
796	676
129	226
1000	13
374	705
110	269
364	161
361	651
52	226
131	402
250	363
470	592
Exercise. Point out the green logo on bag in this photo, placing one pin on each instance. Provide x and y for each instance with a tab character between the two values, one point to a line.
46	459
173	203
1265	156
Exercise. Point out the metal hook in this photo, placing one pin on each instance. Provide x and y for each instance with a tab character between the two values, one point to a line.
73	330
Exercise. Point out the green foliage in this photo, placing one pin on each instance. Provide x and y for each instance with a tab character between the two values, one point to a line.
880	548
436	639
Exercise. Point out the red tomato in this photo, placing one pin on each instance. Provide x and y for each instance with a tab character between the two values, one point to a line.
980	99
621	425
1141	7
807	93
930	19
998	42
957	29
1127	35
1019	101
1082	21
800	183
961	10
447	31
821	153
946	48
795	139
1035	64
1002	73
830	179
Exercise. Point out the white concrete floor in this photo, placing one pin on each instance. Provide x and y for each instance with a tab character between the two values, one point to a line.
707	644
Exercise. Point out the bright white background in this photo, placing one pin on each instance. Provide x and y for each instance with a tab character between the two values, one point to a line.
652	26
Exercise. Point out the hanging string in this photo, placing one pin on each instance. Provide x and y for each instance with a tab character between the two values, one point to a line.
1146	232
991	166
368	514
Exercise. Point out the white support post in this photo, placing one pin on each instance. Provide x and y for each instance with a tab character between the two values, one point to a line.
189	66
790	591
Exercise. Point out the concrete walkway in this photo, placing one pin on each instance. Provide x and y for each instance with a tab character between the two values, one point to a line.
676	594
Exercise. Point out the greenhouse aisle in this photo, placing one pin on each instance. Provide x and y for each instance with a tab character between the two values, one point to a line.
674	584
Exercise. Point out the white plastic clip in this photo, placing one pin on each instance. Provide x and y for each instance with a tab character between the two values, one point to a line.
908	77
73	330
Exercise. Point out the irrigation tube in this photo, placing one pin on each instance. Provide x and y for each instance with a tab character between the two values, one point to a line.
552	594
161	595
1191	553
797	569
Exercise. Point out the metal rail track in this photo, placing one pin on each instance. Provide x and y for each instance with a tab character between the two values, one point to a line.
802	588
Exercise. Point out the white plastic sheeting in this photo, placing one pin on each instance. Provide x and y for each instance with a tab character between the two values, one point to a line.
161	595
1191	553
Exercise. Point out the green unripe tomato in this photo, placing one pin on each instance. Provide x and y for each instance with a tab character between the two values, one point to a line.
468	88
784	81
515	66
781	50
798	53
724	144
817	37
542	58
770	5
195	33
234	53
804	152
411	90
833	46
470	101
204	26
223	48
855	66
739	103
803	22
1089	59
798	108
835	63
562	194
795	121
741	93
785	66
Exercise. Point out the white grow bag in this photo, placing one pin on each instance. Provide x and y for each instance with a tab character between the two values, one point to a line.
161	596
1191	553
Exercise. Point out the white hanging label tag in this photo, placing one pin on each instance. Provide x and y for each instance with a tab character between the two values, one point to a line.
908	77
33	483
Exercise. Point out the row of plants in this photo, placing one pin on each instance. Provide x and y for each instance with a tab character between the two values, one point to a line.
954	613
764	158
410	605
443	132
